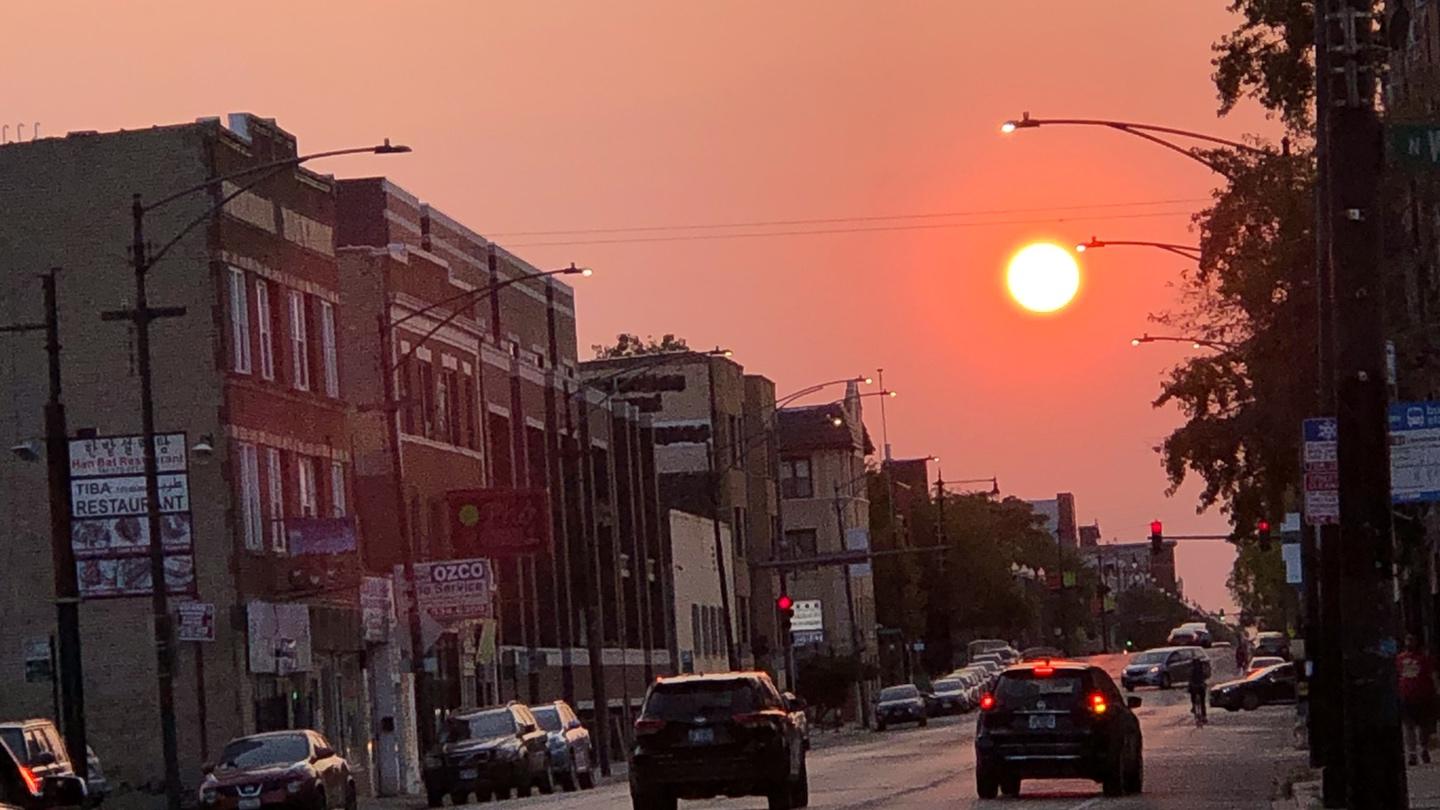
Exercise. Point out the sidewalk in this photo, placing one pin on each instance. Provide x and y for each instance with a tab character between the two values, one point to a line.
1424	791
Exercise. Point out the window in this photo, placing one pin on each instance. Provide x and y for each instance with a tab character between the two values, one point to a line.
266	329
472	430
337	489
737	531
239	323
299	345
735	441
800	543
276	484
251	520
403	389
451	403
327	349
695	638
795	478
305	477
426	383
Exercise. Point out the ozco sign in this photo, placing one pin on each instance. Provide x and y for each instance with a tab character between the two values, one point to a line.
451	591
464	570
499	522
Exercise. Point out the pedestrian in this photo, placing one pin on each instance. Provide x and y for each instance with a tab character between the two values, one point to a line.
1242	652
1417	697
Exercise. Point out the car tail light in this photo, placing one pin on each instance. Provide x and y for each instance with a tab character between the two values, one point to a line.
756	719
649	725
987	702
32	784
1044	670
1097	703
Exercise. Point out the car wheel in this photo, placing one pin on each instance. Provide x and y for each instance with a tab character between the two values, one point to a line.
1136	782
924	721
1165	681
460	797
987	783
1250	702
1010	786
434	798
1232	708
587	777
653	800
547	780
879	725
800	791
570	780
780	797
1113	783
524	789
320	801
351	802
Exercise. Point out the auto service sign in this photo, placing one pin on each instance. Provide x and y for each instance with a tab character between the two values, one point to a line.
453	591
499	522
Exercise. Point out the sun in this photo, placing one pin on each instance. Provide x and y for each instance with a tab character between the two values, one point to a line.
1043	277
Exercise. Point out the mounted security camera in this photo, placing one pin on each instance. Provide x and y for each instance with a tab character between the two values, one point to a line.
27	450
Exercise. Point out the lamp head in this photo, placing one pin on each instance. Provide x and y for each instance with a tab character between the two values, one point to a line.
28	450
388	148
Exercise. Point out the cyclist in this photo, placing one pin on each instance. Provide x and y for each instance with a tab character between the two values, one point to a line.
1198	689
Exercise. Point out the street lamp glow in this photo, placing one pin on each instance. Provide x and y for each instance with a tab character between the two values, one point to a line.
1136	341
869	380
587	272
1080	248
1043	277
1007	127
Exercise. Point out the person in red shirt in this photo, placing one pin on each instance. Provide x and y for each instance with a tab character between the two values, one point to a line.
1417	697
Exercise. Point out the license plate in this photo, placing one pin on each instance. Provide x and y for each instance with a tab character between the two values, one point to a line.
702	736
1042	721
468	773
249	804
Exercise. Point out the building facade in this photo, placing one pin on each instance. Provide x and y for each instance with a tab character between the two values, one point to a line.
698	610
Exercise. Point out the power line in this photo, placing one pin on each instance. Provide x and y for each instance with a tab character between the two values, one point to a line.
824	231
834	220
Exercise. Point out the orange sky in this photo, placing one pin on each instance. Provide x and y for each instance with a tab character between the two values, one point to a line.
546	116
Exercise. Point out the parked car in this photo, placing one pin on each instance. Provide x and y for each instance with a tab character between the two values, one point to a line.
38	745
1263	687
992	657
899	704
727	734
21	789
1263	662
980	646
494	751
1162	667
1272	642
797	707
950	697
1057	720
296	768
1041	654
572	764
1008	655
1183	637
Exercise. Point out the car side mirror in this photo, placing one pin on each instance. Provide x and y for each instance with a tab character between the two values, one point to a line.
43	758
573	724
1133	701
62	791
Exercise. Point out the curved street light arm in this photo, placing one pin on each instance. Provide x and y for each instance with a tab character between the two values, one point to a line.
385	148
1026	122
1191	252
1196	342
788	398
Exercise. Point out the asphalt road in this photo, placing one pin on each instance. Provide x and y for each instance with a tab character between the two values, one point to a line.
1232	763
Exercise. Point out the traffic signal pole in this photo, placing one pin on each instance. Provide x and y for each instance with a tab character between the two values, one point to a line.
1374	756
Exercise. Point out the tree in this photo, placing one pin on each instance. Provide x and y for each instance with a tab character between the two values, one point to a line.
1258	583
1145	616
825	681
1269	58
628	345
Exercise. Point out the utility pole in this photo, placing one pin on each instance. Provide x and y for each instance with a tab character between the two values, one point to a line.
1373	753
855	642
70	686
716	482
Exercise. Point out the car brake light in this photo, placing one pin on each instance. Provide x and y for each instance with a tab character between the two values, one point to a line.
1097	703
32	784
755	719
649	725
1044	670
987	702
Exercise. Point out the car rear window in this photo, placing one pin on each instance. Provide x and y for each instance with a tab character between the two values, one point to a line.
1024	690
949	686
481	726
683	701
548	717
1152	657
15	738
899	693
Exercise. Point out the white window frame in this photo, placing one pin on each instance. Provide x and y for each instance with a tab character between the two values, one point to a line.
252	521
276	485
305	480
337	489
265	328
239	323
299	343
327	345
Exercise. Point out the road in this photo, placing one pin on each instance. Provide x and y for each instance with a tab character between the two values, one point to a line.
1229	765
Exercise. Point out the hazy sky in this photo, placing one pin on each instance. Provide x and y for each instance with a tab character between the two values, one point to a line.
549	116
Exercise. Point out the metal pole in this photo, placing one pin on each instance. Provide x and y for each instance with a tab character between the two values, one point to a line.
1374	755
715	480
159	598
202	706
594	604
402	524
850	610
67	587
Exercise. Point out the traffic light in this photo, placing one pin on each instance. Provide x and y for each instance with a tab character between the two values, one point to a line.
1157	537
785	604
1262	531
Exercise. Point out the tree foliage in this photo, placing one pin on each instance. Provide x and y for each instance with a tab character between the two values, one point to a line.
628	345
1258	584
1269	58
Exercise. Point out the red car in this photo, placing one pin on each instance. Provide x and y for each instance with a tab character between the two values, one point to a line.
291	769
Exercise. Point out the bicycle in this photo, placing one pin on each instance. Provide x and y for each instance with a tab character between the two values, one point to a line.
1197	708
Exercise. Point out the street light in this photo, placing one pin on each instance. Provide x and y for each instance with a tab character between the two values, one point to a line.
140	316
1190	252
1148	132
804	392
1195	343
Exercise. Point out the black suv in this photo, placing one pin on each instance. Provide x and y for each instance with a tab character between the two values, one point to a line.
21	789
730	734
488	751
1057	720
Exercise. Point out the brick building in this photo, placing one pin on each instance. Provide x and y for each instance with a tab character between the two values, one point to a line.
252	369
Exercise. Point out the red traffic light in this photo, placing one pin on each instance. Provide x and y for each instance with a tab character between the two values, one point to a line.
1157	529
784	602
1263	526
